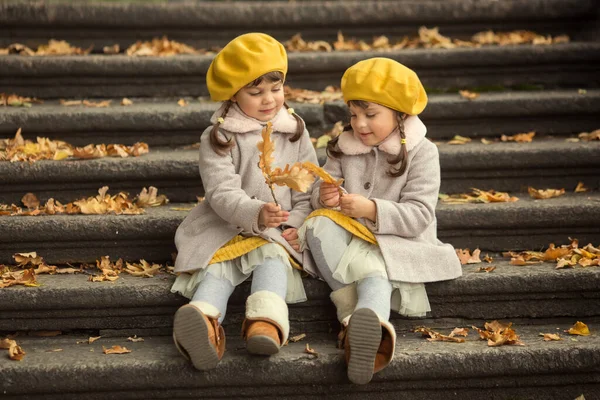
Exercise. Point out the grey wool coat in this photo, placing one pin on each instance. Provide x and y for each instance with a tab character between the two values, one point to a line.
235	189
406	226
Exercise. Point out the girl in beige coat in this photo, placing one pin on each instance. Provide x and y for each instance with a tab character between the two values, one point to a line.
238	230
381	246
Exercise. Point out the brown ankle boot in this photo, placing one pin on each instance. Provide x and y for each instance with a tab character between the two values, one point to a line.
263	337
199	338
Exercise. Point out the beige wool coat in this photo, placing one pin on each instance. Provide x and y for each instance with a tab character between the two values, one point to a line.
406	226
235	189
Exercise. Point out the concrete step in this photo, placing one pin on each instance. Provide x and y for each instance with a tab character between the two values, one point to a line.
567	65
525	224
499	166
71	302
471	370
207	24
162	122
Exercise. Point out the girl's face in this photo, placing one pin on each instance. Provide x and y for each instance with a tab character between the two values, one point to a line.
372	125
261	102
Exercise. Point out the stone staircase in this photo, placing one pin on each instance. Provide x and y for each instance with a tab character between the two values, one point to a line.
536	298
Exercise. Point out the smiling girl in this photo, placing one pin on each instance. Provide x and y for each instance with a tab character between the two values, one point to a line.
237	231
379	250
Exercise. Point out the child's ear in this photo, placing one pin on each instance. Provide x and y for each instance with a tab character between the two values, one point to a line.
233	99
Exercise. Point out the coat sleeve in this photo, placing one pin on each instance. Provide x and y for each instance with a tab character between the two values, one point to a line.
223	188
334	167
301	201
415	210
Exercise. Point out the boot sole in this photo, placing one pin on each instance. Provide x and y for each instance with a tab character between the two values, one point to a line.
364	336
190	331
262	345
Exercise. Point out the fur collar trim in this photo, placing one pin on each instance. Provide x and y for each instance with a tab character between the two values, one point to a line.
413	127
236	121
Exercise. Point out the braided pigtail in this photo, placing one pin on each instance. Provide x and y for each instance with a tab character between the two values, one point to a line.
403	155
219	145
300	127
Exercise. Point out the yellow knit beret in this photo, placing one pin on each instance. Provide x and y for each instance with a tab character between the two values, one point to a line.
241	61
386	82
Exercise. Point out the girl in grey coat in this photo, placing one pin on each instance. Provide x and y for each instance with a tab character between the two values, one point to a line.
238	230
391	178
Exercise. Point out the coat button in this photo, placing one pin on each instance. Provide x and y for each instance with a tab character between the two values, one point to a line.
368	185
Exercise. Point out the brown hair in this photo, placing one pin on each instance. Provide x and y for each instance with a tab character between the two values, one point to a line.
221	146
401	157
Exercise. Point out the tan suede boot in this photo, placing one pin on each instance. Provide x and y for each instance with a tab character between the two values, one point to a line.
263	336
266	326
198	337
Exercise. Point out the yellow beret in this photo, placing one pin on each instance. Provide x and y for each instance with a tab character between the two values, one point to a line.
386	82
241	61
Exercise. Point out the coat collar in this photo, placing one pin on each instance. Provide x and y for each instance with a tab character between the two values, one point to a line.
236	121
413	127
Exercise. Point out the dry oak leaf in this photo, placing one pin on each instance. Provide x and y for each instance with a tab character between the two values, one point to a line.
116	349
519	137
581	188
579	328
485	269
466	257
90	151
126	102
468	95
15	352
60	47
149	198
92	339
266	148
161	47
434	336
541	194
295	177
135	339
459	140
13	100
309	350
459	332
487	258
498	334
595	135
24	277
297	338
30	201
24	259
143	269
182	102
321	173
550	336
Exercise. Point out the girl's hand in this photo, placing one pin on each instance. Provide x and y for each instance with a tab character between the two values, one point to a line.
291	235
357	206
329	194
271	216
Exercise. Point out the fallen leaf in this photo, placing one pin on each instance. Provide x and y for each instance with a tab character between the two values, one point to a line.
485	269
499	334
308	350
161	47
459	332
15	352
330	93
579	328
478	196
466	257
434	336
126	102
486	141
487	258
13	100
135	339
116	349
581	91
97	104
459	140
6	343
519	137
468	95
297	338
30	201
550	336
143	269
545	194
149	198
182	103
595	135
24	277
580	188
24	259
114	49
60	47
92	339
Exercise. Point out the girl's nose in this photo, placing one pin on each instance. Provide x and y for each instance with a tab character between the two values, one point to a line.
268	98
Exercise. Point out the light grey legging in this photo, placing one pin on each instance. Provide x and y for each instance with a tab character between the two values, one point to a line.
270	276
327	250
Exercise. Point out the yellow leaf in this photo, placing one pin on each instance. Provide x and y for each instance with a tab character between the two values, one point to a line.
485	269
90	151
182	103
105	103
545	194
550	336
580	188
116	349
579	328
149	198
143	269
126	102
92	339
15	352
321	173
266	148
24	259
519	137
434	336
295	177
61	155
322	141
595	135
468	95
486	141
459	140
